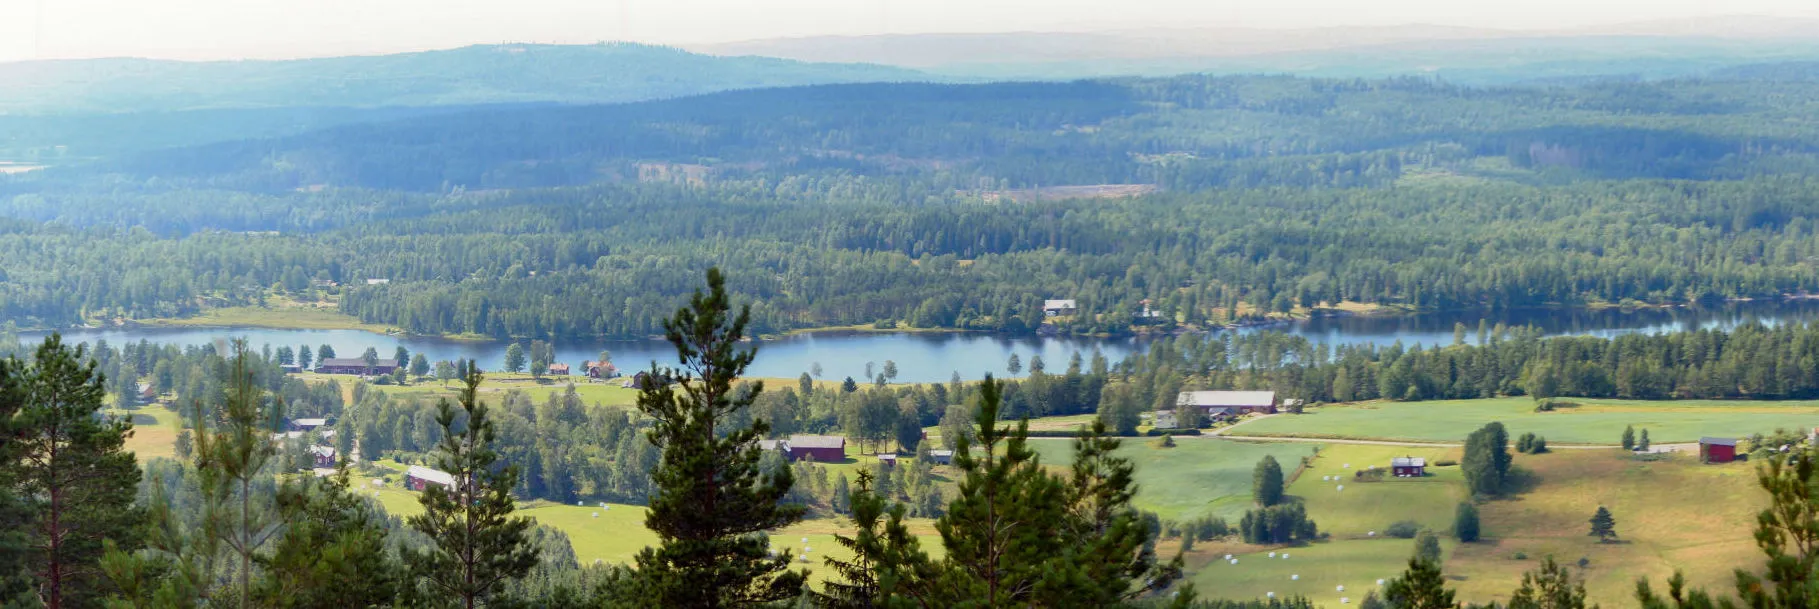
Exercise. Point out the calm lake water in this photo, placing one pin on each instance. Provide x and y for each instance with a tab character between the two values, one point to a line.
935	357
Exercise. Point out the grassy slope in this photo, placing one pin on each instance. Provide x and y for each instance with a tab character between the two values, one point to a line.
1198	477
602	393
154	431
1593	422
1353	558
1671	514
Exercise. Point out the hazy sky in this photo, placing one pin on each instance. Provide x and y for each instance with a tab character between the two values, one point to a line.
223	29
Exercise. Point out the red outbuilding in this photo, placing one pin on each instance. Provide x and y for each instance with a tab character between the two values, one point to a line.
821	449
1717	450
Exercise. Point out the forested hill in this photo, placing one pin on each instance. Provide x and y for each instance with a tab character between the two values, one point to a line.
1179	133
485	74
1215	199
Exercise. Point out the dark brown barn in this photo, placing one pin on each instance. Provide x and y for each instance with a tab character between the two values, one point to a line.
821	449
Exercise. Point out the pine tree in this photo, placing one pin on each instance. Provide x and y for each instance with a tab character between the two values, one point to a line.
841	501
78	479
333	551
1266	482
712	502
1549	587
1629	437
1420	587
477	545
1643	443
1465	522
1604	526
230	454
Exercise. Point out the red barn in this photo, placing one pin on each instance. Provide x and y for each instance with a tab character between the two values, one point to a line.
1408	467
1717	450
823	449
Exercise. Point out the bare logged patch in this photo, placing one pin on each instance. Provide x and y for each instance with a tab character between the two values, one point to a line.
1670	514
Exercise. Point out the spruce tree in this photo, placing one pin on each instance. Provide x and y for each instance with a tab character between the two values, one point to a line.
1266	482
476	543
1604	526
1643	443
1420	587
712	503
73	470
1629	437
1465	522
1427	547
885	554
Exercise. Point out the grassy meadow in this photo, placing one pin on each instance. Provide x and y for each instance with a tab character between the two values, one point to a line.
1198	477
155	430
1591	422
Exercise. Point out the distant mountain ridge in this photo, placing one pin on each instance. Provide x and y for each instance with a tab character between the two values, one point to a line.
485	74
1664	48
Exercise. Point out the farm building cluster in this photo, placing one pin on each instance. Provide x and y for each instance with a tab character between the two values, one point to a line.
1216	406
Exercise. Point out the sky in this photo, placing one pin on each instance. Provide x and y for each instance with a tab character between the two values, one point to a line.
273	29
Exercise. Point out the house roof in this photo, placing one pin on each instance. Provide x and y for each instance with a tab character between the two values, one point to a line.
941	453
1226	398
887	457
326	451
430	475
768	444
1059	304
1719	441
559	368
355	362
817	442
1408	462
309	422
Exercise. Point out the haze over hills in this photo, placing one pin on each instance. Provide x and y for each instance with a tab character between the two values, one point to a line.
1649	49
486	74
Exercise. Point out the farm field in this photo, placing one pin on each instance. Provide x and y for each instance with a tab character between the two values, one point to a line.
1592	422
155	430
1675	512
607	393
617	534
280	313
1352	558
1198	477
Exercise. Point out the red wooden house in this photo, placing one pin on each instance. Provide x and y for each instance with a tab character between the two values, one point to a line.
1408	467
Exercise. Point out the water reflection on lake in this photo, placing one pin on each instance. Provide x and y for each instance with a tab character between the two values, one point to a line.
935	357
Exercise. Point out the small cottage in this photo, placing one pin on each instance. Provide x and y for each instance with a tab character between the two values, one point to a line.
1059	308
558	369
1408	467
323	456
1717	450
888	459
419	477
941	457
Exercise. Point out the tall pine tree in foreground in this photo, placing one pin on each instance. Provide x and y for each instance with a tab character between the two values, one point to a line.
78	479
230	456
478	544
712	504
885	554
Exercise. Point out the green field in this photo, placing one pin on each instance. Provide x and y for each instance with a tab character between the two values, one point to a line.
281	313
616	534
605	393
155	430
1592	422
1198	477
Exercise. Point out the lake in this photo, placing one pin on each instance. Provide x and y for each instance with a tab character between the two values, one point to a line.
936	357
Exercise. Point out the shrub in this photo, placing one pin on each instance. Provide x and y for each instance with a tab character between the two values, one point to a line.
1521	556
1166	442
1445	463
1404	529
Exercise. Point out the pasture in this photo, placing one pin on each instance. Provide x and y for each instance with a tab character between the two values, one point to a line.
155	430
1198	477
1592	422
